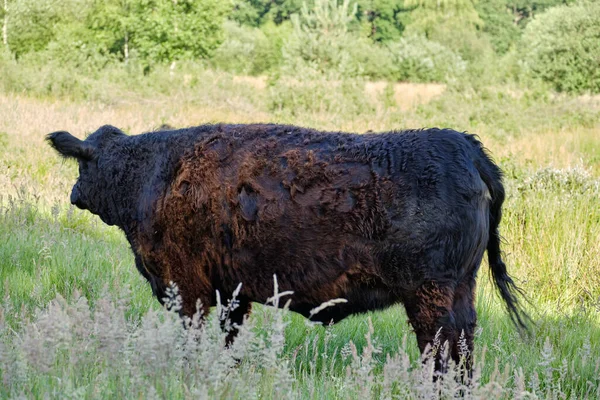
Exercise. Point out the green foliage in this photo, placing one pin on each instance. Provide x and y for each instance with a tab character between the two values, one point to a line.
417	59
562	47
469	43
524	10
381	19
314	92
55	35
452	23
4	23
258	12
248	50
326	17
321	39
429	15
249	12
166	30
155	31
112	23
410	40
498	23
32	24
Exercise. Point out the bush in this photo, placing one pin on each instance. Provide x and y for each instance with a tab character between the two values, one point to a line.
570	181
562	47
470	44
347	54
312	91
249	50
65	70
321	40
420	60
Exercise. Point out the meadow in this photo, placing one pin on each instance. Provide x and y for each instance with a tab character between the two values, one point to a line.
78	321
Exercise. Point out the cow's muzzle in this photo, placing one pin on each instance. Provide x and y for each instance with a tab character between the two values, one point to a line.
76	199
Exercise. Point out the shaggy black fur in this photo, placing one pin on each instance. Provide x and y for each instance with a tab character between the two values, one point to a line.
376	219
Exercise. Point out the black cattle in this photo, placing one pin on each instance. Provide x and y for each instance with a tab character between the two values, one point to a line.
377	219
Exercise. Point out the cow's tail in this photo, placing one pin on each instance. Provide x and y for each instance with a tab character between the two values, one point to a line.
491	175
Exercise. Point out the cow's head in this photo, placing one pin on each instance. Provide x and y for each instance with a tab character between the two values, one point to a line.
92	191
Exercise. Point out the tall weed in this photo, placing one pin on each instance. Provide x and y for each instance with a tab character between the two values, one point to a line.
69	349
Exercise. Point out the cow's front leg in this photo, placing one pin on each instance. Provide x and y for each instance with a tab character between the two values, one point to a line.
235	318
159	288
195	298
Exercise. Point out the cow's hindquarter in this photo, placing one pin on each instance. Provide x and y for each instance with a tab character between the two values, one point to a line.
441	233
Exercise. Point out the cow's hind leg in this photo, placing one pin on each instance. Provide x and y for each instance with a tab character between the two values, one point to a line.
430	314
466	320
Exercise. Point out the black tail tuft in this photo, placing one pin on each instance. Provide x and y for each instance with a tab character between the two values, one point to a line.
509	291
507	288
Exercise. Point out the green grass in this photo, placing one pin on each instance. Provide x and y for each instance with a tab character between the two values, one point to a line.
112	339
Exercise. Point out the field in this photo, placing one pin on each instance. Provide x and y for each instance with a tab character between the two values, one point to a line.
77	320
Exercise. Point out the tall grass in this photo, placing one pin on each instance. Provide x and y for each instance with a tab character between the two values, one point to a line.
69	349
77	320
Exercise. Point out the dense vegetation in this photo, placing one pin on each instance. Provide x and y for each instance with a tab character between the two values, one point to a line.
78	321
553	41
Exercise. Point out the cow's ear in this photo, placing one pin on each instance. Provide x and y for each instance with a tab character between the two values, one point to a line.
68	145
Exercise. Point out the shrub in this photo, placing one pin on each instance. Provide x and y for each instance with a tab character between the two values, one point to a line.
417	59
562	47
570	181
470	44
249	50
312	91
321	40
428	16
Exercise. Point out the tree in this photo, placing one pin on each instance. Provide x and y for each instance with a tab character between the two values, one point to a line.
320	39
428	15
498	23
250	12
381	19
112	23
504	20
453	23
259	12
159	30
34	23
562	47
524	10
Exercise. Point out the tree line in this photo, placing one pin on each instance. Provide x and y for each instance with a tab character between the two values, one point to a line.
557	41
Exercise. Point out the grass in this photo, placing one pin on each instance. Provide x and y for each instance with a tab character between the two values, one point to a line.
77	320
